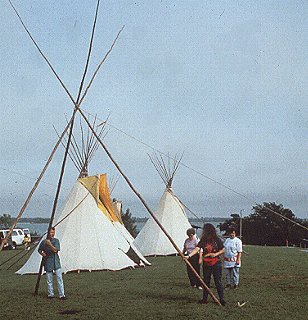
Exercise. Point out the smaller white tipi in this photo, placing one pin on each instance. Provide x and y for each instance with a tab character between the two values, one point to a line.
151	240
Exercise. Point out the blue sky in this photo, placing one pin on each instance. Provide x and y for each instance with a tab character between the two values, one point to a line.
225	82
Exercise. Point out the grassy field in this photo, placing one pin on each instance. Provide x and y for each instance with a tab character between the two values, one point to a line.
274	281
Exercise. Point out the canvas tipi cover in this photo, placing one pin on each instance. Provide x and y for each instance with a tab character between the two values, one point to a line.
90	233
151	240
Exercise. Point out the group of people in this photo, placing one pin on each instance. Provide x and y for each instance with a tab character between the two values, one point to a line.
209	251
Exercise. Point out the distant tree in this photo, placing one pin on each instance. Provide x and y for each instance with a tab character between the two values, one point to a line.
263	227
5	221
129	222
234	222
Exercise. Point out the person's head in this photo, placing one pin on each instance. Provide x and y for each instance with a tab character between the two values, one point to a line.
52	232
190	232
209	232
232	232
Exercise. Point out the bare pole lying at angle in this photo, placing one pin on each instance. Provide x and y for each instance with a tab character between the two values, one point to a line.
250	199
148	209
77	108
23	208
41	53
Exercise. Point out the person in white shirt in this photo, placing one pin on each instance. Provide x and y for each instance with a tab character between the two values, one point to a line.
232	258
189	245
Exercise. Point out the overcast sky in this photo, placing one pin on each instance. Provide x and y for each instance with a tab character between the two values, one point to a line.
225	82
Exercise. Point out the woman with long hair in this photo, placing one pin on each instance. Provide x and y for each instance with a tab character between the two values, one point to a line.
210	247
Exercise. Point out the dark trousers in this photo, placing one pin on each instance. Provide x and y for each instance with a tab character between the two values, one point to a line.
194	260
216	271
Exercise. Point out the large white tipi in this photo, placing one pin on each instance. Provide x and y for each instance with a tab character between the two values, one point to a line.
151	240
91	233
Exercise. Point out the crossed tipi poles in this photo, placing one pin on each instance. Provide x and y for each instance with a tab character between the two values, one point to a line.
69	128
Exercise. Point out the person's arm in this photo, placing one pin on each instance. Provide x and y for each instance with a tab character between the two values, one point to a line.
51	246
41	249
215	254
239	248
42	253
238	258
196	250
200	256
184	248
220	251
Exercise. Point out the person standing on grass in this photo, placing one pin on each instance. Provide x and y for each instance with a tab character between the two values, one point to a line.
26	242
232	258
189	245
49	249
210	247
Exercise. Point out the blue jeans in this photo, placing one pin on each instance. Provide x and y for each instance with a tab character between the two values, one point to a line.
234	274
216	271
58	273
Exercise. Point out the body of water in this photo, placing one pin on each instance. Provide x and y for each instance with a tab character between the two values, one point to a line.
35	228
41	228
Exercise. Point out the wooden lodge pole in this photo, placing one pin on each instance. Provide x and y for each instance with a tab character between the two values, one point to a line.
149	209
56	197
23	208
76	107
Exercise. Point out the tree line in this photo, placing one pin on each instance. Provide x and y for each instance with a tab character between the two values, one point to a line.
263	227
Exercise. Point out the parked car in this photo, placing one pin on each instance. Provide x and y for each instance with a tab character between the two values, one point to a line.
9	244
17	236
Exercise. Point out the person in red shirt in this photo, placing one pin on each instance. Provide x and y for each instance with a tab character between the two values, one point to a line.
210	247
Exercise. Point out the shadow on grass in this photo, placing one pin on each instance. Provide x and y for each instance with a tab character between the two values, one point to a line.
167	297
72	311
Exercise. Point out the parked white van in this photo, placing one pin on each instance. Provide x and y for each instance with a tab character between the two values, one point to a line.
17	236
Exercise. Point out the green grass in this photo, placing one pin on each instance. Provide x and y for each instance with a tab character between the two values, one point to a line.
274	281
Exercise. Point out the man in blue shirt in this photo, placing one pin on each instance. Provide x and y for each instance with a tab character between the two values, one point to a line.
49	250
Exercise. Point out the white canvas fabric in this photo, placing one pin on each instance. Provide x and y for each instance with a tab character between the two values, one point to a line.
88	239
151	240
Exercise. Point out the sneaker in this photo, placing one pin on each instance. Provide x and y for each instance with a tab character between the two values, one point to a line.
223	303
228	286
51	297
235	286
63	298
200	288
194	286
